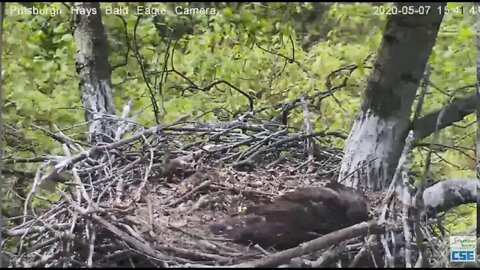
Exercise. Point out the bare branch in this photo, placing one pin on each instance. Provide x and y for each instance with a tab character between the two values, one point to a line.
138	57
454	112
450	193
361	229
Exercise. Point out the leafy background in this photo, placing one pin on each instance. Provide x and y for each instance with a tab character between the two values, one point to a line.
41	85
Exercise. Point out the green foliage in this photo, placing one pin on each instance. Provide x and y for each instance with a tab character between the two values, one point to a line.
454	75
461	218
248	45
39	75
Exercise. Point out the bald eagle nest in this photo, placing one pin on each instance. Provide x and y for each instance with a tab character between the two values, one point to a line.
152	199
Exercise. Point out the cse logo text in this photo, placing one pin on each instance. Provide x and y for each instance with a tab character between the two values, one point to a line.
462	255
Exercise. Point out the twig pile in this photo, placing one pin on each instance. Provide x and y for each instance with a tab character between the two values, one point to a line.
147	200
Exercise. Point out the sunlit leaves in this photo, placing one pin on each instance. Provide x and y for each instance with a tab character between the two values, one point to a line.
39	59
246	44
453	69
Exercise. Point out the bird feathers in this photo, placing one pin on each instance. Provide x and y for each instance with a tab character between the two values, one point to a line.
296	217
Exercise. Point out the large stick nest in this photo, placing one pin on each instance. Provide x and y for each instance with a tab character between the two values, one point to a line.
147	200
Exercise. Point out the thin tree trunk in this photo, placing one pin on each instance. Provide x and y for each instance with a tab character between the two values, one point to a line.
94	71
377	137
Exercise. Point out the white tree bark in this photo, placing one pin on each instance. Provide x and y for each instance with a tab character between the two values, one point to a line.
377	137
450	193
94	70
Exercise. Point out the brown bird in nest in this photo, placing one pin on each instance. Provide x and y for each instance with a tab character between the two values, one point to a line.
296	217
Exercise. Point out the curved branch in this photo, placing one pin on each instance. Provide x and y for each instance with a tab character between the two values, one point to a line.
450	193
454	112
127	41
137	55
360	229
212	84
250	99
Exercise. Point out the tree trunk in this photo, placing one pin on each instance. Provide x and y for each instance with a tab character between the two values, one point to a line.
378	134
94	70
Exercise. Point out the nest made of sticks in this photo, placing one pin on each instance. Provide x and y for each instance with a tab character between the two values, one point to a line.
147	200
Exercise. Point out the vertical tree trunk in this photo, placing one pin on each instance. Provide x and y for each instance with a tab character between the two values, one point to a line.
377	137
94	70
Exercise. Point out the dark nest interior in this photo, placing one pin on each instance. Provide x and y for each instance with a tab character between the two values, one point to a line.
148	200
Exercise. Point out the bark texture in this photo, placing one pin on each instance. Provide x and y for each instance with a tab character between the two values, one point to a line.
454	112
450	193
377	137
94	70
